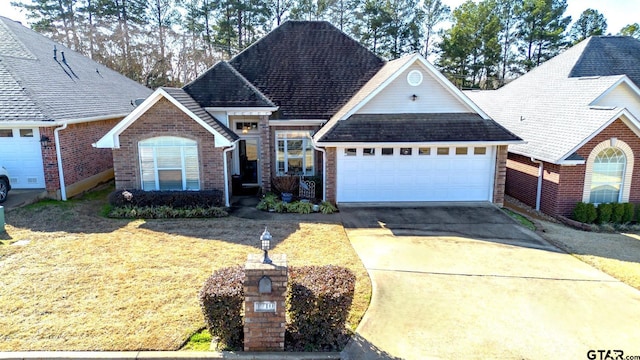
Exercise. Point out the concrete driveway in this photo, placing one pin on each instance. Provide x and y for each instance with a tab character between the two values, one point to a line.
467	282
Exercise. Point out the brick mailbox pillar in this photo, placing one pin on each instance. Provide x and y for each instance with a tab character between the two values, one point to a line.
265	288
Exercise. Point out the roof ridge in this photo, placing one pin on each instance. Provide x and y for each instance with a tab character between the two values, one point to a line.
249	84
12	38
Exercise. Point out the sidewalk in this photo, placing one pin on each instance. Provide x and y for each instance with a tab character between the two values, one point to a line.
163	355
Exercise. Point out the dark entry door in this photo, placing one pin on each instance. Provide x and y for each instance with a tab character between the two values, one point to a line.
248	152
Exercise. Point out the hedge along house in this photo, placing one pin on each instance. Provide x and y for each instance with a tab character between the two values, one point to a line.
308	100
54	103
578	114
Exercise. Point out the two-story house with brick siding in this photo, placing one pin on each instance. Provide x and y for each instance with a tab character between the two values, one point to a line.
309	100
54	103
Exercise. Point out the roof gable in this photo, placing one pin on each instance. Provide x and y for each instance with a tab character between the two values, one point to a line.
178	97
309	69
223	86
67	87
395	72
430	95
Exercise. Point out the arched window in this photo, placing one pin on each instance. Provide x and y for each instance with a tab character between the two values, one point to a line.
169	163
608	176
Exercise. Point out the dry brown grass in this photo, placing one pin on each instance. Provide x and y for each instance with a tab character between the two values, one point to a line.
615	254
84	282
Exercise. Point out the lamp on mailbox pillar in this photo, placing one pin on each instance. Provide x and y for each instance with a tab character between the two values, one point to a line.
265	244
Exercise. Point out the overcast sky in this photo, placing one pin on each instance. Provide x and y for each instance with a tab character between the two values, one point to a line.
617	12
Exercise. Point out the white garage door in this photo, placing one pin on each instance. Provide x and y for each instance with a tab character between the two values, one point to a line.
415	174
20	153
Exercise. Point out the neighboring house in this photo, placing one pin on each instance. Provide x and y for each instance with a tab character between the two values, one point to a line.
308	100
54	103
578	114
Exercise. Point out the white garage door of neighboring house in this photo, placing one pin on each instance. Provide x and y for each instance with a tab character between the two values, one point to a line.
21	154
415	174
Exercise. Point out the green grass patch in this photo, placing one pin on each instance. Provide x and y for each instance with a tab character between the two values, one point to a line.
200	341
521	219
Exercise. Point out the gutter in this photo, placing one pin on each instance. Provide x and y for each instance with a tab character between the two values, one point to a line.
324	168
540	175
16	124
226	171
63	189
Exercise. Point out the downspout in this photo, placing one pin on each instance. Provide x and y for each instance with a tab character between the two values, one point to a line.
540	175
63	190
324	169
226	172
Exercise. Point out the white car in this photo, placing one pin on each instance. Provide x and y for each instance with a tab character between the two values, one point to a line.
5	185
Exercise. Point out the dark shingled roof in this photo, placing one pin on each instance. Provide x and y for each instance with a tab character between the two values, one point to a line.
222	85
453	127
307	68
181	96
609	55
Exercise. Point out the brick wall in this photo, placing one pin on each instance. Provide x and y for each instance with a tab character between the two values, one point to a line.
80	160
164	119
572	177
500	175
563	186
521	179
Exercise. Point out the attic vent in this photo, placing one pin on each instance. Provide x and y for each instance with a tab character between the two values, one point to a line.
414	78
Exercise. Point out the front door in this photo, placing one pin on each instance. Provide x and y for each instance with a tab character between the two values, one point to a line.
248	151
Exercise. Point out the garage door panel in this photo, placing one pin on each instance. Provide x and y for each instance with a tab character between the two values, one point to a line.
415	177
21	154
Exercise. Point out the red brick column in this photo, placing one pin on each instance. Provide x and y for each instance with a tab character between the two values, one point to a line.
500	175
264	312
266	151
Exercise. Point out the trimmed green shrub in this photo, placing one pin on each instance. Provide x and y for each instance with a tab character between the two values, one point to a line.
617	213
165	212
585	213
318	303
629	209
604	213
221	300
175	199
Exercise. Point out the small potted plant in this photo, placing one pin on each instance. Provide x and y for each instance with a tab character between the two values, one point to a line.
286	185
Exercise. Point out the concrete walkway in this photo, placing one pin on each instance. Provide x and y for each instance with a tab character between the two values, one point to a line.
492	290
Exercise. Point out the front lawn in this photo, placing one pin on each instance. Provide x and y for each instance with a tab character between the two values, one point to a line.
79	281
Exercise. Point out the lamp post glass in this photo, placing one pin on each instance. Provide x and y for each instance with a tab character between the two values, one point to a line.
265	242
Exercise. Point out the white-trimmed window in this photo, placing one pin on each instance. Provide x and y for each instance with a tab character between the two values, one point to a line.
294	153
169	163
608	175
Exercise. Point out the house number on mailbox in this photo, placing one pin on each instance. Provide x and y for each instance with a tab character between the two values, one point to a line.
264	306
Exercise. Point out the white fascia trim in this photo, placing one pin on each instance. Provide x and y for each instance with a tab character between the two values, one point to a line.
438	76
243	110
623	79
412	144
32	124
112	140
628	120
312	122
